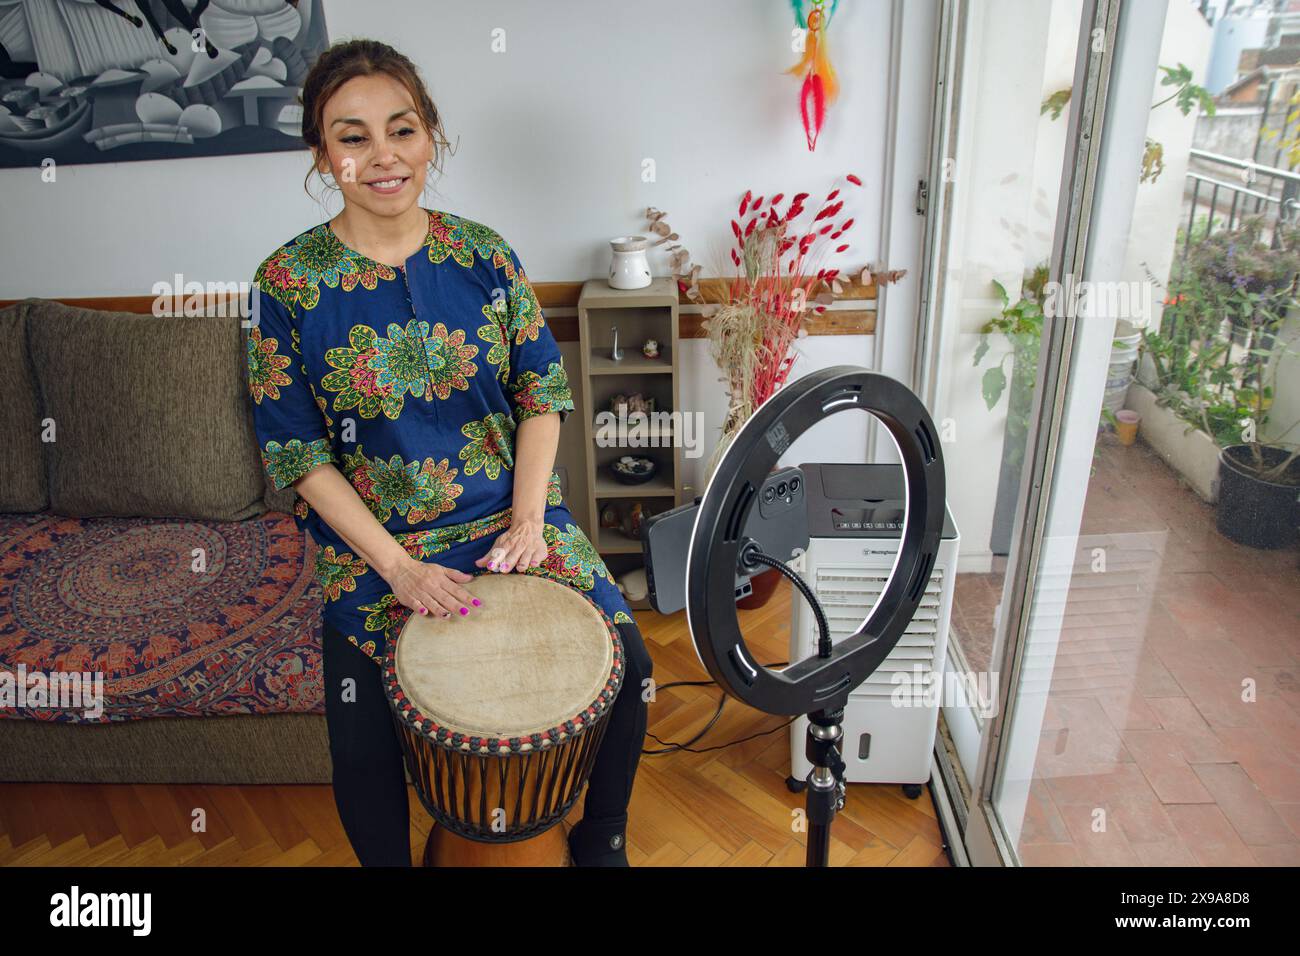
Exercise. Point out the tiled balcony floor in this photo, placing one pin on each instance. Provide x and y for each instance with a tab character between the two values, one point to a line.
1171	707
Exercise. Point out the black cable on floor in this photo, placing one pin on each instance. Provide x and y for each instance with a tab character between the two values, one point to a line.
672	747
823	650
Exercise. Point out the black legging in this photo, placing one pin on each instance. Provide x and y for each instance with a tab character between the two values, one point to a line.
369	774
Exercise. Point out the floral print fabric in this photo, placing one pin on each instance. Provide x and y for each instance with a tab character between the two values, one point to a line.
412	381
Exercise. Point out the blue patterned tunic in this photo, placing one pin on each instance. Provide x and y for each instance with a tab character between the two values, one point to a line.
412	382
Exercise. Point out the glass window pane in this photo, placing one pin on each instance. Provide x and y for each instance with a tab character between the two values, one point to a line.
1008	153
1156	720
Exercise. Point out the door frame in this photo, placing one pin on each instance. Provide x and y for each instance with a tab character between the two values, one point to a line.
1092	245
913	28
983	841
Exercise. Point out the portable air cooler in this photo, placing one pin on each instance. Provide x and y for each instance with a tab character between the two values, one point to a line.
855	515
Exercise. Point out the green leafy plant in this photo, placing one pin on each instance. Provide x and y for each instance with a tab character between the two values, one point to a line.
1021	325
1217	352
1153	161
1187	95
1202	227
1056	103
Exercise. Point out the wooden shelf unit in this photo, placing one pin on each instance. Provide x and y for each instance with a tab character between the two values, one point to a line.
638	314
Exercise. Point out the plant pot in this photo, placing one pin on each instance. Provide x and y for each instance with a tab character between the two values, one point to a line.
1126	425
1123	355
764	586
1189	451
1254	512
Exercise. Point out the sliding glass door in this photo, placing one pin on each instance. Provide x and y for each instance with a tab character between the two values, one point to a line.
1124	640
1002	147
1152	716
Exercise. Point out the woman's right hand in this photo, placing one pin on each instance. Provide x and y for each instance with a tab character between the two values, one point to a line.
437	589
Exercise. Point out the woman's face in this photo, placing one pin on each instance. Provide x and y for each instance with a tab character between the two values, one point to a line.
375	145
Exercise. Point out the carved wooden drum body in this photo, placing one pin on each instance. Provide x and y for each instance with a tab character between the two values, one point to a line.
501	714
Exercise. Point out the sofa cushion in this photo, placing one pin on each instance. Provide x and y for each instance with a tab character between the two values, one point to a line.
151	414
119	598
283	499
22	454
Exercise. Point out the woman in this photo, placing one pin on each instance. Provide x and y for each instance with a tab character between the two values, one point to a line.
405	384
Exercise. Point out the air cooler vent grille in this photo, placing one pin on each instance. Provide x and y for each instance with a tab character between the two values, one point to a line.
848	594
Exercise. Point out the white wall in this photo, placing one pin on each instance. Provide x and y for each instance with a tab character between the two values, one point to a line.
1231	37
1158	210
553	133
1283	424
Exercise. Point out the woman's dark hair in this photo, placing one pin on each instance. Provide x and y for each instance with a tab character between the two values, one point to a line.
347	59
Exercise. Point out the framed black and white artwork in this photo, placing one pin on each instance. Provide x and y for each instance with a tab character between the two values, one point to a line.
90	81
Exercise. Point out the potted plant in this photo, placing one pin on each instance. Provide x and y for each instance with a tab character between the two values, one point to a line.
764	310
760	312
1021	324
1216	362
1185	357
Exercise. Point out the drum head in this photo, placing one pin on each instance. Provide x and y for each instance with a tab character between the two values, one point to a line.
536	663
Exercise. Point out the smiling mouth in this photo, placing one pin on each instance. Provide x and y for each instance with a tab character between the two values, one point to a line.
387	185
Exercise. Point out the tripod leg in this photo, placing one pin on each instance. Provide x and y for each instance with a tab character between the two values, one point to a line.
821	814
825	782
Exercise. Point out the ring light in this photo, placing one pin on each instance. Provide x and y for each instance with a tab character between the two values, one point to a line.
817	683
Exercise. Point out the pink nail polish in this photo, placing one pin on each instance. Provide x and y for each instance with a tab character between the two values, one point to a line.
492	565
464	611
505	567
477	602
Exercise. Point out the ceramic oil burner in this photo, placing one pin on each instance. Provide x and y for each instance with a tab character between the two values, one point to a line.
629	267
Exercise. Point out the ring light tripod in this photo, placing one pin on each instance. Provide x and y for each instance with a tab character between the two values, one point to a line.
818	686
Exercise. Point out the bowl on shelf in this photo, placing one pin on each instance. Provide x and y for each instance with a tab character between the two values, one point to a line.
633	469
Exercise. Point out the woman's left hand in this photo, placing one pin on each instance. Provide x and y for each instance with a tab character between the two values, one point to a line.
522	546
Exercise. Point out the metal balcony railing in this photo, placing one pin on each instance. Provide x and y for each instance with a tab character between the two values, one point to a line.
1257	189
1210	190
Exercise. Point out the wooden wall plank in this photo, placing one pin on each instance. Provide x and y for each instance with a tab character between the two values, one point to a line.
559	295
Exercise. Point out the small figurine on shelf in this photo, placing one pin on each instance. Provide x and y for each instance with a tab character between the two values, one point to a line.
609	517
650	349
615	353
636	402
624	405
632	523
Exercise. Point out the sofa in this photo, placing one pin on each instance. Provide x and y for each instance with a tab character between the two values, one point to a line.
141	547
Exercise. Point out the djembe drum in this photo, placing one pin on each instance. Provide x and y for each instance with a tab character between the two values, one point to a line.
501	714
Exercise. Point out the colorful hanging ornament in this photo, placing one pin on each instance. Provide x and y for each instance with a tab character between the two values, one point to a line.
819	84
